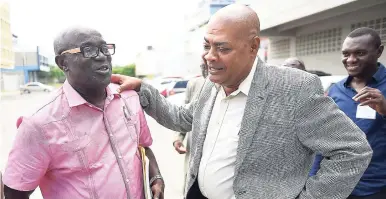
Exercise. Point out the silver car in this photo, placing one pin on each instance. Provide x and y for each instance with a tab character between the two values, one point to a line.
35	87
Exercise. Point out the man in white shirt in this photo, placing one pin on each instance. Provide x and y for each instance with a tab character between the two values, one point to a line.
255	127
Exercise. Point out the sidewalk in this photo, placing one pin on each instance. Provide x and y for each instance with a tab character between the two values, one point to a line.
9	94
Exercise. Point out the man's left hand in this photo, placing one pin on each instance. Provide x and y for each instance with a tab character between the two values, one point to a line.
373	98
158	189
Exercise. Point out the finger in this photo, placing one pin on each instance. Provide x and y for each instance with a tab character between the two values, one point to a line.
369	102
177	149
367	90
156	194
363	96
181	150
361	92
124	86
115	78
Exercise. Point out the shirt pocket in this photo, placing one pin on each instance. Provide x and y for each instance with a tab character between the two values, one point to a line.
78	154
132	126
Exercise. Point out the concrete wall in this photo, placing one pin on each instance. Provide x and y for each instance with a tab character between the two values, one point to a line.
10	81
26	59
330	61
276	12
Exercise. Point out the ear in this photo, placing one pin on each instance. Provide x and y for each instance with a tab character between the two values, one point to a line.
61	62
255	44
380	50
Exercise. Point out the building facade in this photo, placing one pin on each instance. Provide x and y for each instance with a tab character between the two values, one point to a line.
28	63
315	31
6	52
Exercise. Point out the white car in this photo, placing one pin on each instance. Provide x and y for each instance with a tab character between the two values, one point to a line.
35	87
328	81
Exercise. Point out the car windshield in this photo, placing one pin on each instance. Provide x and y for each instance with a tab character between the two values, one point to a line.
181	84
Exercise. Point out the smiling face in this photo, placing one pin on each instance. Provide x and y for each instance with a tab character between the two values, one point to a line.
229	55
83	72
360	55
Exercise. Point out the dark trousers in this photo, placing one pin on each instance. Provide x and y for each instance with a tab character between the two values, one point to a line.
379	195
194	192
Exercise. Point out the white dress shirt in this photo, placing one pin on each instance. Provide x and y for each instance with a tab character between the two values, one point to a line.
217	167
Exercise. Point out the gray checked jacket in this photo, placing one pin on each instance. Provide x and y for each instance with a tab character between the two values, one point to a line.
286	120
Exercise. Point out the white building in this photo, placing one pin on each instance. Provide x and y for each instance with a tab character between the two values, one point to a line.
314	30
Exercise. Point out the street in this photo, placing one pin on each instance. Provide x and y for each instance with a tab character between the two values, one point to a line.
170	163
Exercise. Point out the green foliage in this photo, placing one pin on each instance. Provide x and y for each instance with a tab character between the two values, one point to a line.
128	70
57	76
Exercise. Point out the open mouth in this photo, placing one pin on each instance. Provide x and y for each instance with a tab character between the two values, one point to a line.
352	67
104	68
214	70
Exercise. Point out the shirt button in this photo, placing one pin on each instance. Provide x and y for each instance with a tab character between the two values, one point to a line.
120	157
127	180
111	135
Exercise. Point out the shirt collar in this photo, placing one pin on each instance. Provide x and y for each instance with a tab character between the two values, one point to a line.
75	99
378	76
246	83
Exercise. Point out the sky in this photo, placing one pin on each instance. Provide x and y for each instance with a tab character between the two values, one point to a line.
130	24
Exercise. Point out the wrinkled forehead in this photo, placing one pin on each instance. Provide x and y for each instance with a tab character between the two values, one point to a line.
364	42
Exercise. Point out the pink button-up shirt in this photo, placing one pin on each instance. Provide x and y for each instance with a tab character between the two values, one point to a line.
72	149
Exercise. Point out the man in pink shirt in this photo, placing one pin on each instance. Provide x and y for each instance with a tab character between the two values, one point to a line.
83	142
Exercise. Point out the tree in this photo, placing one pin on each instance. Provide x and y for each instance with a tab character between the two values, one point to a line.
57	74
128	70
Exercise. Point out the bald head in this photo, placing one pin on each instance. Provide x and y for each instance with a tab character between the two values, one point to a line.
231	44
73	37
240	17
294	62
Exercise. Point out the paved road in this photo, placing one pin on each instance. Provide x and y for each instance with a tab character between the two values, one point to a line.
170	163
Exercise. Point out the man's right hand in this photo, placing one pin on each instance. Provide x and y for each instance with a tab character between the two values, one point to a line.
126	82
179	147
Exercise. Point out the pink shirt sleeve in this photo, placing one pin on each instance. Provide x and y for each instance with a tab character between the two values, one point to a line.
145	138
28	160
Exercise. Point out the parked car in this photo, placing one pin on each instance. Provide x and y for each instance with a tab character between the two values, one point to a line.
35	87
163	83
329	81
176	87
319	73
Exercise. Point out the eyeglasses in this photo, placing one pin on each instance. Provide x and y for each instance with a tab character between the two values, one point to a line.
92	51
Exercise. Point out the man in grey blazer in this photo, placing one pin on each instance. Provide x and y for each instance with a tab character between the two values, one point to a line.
256	127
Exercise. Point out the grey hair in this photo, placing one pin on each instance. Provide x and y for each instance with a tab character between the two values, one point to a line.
64	40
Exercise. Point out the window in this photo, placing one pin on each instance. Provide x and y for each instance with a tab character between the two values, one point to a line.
378	25
280	48
181	84
319	42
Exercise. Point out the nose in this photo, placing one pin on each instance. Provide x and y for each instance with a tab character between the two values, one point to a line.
210	56
351	59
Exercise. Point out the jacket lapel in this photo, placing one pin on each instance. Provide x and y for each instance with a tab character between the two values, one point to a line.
204	107
252	113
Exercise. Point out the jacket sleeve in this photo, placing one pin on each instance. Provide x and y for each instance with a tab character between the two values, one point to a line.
326	130
176	118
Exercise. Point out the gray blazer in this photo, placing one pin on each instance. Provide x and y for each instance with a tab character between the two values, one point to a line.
286	120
